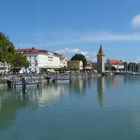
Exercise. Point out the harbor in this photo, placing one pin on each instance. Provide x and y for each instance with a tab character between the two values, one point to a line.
83	107
37	79
69	70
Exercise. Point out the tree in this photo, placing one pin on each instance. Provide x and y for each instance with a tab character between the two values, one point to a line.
7	49
133	67
20	61
8	55
80	57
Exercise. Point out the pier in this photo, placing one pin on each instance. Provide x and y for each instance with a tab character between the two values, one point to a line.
18	81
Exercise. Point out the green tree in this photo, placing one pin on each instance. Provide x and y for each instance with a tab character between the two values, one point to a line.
20	61
8	55
133	67
7	49
80	57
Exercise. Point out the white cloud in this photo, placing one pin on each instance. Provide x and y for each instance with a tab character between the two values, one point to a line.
69	52
80	38
98	37
107	36
136	22
104	36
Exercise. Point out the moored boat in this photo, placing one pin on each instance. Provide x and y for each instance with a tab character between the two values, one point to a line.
29	83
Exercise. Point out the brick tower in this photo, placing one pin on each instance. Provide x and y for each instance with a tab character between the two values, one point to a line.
101	61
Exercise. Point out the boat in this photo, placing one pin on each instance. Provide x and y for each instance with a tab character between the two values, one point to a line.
107	74
62	79
29	83
17	84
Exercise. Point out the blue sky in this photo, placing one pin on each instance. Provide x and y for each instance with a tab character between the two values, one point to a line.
74	26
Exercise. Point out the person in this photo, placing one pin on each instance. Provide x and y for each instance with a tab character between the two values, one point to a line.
23	85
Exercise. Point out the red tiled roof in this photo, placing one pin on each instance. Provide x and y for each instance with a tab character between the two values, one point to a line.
37	51
116	62
89	62
31	51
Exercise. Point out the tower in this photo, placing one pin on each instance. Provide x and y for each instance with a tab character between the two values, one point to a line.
100	61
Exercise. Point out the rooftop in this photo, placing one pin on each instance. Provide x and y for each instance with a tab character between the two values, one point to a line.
37	51
116	62
101	51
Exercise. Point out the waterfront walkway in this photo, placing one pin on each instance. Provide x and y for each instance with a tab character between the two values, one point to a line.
50	77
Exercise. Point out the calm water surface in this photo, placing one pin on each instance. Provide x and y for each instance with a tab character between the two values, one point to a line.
103	108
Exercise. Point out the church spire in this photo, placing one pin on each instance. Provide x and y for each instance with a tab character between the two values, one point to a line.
101	51
100	61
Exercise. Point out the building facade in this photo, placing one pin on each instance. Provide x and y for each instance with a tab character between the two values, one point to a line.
100	61
43	59
89	65
116	64
75	64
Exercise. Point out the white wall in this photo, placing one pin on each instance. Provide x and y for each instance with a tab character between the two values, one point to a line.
45	60
53	61
42	60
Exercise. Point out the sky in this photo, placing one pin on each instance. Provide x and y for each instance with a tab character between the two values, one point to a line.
74	26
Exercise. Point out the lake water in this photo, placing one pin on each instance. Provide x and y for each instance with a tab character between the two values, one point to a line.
101	108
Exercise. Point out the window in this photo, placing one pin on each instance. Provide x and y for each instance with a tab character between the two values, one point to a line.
50	58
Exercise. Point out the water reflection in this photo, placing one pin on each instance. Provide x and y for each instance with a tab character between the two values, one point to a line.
12	100
52	94
101	89
40	97
79	86
111	83
9	103
114	81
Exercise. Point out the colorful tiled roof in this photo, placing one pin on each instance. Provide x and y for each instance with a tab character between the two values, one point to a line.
116	62
37	51
31	51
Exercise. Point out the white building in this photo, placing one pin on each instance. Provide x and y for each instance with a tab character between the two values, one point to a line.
52	60
43	59
117	64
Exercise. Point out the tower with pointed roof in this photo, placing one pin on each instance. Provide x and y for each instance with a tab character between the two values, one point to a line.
100	61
